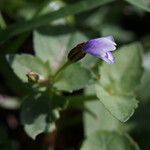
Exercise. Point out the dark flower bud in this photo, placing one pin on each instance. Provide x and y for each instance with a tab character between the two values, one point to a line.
76	53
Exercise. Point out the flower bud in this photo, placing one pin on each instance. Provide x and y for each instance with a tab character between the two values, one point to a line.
32	76
76	53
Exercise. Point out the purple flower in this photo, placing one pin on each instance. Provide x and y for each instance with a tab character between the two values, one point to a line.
101	47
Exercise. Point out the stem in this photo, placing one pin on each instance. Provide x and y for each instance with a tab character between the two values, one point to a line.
60	69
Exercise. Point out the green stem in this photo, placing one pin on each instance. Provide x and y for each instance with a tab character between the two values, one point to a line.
60	70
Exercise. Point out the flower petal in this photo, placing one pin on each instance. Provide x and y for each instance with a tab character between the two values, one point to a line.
100	45
112	39
108	57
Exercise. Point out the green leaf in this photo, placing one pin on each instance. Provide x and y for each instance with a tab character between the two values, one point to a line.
103	120
120	106
76	38
144	88
125	74
117	32
90	62
39	113
73	9
96	18
74	77
143	4
24	63
39	126
104	140
118	82
50	44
